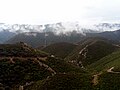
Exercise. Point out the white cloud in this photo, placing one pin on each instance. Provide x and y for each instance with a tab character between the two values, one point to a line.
46	11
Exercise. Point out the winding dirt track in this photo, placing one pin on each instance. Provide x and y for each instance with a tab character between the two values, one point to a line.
37	60
47	67
83	53
110	70
95	80
96	76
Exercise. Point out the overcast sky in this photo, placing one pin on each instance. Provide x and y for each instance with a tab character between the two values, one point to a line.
50	11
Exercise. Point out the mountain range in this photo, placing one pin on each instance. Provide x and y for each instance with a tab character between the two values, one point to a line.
36	39
11	33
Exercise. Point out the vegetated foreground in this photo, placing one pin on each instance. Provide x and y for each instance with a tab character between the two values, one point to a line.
93	64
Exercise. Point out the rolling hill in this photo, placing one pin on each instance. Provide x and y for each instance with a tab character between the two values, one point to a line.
19	49
91	50
108	69
112	60
60	49
102	76
68	81
21	66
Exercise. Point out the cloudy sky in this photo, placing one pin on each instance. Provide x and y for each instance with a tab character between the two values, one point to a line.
50	11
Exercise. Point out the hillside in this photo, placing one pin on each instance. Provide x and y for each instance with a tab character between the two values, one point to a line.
108	72
19	50
60	49
21	66
107	62
90	50
102	76
66	81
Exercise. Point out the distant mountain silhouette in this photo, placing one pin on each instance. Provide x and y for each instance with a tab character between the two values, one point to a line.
111	35
6	35
40	39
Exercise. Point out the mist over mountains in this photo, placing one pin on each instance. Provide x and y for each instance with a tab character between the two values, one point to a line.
38	35
60	27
